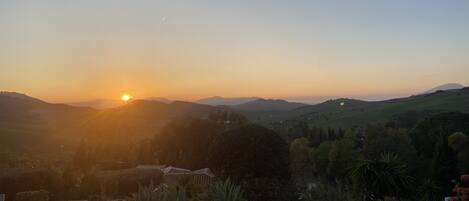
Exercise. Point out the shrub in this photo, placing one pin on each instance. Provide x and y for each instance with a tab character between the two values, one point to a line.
160	193
223	191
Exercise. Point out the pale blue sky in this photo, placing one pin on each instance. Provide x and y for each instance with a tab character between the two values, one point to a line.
68	50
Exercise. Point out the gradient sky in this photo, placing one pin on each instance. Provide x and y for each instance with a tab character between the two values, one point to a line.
63	50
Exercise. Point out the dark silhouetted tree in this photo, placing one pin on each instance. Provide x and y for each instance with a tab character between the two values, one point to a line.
255	157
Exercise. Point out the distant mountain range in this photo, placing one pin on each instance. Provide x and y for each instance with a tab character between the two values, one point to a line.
98	103
444	87
250	103
267	105
160	99
218	100
111	103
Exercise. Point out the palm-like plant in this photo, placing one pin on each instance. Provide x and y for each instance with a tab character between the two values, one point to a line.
223	191
429	191
384	177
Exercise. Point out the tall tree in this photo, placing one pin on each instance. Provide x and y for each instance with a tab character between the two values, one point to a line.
459	143
444	165
300	152
256	157
186	143
427	133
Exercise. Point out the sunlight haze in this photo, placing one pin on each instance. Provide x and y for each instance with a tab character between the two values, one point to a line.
79	50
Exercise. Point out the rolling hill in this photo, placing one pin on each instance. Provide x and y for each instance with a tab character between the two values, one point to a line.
263	105
141	119
28	124
349	112
217	100
98	103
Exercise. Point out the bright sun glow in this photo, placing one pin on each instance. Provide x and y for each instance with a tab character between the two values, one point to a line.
125	97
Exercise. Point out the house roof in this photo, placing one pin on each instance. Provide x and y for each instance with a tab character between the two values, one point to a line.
205	171
175	170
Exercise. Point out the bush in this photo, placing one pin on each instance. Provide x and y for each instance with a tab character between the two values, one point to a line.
160	193
223	191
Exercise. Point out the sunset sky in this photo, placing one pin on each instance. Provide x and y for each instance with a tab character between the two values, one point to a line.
63	50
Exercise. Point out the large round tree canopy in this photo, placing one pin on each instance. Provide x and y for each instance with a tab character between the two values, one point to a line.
251	151
427	133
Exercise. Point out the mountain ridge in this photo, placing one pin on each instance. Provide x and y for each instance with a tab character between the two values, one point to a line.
218	100
444	87
267	105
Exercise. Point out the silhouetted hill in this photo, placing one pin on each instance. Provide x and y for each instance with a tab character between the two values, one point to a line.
29	124
160	99
267	105
141	119
98	103
18	96
217	100
111	103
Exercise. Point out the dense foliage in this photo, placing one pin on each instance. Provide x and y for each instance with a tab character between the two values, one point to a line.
408	158
382	161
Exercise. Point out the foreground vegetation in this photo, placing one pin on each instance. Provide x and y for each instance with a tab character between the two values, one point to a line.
383	162
220	191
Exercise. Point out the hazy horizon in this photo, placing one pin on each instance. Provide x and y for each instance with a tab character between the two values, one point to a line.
299	99
63	51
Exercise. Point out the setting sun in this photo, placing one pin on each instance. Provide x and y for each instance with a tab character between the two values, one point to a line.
125	97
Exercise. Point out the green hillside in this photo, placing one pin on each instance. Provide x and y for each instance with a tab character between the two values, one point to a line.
348	112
